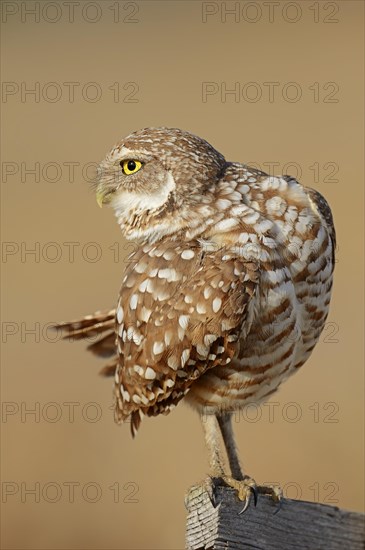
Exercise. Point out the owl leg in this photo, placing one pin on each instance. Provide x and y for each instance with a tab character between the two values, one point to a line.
244	484
225	424
211	433
216	469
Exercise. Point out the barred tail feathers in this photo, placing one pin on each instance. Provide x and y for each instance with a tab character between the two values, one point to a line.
90	327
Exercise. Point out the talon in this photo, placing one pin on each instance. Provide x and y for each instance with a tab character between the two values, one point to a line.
255	495
251	484
274	492
278	508
245	506
245	488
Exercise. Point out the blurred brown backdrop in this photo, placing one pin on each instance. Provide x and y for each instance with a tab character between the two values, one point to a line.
100	70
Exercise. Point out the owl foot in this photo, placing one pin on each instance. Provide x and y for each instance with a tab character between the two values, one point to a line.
245	488
206	486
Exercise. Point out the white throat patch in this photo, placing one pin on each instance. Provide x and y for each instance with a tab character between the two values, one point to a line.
128	201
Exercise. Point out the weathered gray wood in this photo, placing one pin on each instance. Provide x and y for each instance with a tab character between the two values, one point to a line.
298	525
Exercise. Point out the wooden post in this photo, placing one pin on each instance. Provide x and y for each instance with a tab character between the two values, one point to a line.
298	525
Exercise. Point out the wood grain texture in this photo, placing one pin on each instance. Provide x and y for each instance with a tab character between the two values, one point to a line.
298	525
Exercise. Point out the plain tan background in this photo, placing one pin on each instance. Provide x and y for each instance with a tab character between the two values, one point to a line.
169	52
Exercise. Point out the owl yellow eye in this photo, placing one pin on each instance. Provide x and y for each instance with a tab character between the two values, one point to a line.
130	166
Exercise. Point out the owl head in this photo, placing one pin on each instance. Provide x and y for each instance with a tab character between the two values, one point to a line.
155	175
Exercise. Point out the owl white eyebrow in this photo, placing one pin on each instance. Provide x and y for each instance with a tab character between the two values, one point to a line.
125	154
124	151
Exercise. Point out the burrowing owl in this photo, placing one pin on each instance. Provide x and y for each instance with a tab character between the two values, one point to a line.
228	290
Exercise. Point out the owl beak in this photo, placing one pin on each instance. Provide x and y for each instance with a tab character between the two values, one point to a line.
103	197
99	198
